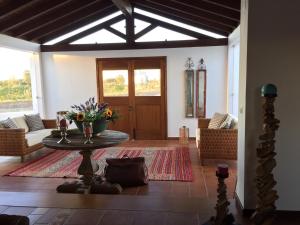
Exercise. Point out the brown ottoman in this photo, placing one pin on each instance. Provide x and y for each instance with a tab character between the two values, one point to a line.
13	220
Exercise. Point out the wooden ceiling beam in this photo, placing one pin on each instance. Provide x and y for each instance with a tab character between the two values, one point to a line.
170	26
186	11
27	12
92	30
124	6
8	7
145	31
135	45
187	20
116	32
210	8
50	16
129	30
228	4
71	22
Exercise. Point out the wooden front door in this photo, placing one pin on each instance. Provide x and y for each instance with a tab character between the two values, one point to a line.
136	88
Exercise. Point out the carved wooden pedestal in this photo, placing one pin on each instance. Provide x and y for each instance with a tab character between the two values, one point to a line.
222	212
88	166
266	196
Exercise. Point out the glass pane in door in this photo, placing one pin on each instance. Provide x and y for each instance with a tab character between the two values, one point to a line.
115	83
147	82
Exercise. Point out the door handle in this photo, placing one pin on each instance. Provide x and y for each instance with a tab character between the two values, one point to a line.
130	108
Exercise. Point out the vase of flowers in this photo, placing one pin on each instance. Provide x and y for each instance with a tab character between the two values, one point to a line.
97	114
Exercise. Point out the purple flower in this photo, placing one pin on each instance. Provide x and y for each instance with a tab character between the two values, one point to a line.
102	106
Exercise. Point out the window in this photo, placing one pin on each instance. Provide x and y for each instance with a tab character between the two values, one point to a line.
102	36
81	29
16	81
106	35
163	34
183	25
139	25
147	82
120	26
115	82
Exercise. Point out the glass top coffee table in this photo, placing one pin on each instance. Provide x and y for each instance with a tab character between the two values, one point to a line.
88	166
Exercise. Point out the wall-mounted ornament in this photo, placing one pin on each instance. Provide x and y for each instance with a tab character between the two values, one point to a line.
189	88
201	65
189	64
201	90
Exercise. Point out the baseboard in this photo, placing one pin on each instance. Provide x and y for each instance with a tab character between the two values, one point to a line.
177	138
240	208
249	212
288	213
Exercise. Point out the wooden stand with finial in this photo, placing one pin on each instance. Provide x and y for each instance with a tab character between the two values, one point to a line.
222	212
265	209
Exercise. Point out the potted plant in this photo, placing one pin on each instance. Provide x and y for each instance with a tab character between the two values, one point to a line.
97	114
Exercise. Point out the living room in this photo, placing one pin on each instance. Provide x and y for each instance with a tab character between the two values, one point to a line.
63	75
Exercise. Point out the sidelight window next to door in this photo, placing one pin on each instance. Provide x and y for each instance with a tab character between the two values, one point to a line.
136	89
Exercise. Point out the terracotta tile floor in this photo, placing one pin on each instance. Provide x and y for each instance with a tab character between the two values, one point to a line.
159	203
68	216
203	186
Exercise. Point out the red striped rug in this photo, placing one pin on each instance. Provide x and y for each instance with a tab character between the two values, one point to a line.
164	163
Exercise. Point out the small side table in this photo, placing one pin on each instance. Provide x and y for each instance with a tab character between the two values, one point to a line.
88	166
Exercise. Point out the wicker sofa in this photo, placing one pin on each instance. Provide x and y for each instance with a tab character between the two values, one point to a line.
216	143
20	142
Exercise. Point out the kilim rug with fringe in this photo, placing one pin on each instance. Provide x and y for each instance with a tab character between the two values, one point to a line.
164	163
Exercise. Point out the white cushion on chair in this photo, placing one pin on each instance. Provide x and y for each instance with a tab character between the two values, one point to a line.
36	137
234	122
197	137
21	123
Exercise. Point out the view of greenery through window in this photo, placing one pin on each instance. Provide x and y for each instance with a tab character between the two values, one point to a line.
147	82
115	82
15	81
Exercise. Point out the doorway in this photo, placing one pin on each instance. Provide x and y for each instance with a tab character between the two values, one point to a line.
136	89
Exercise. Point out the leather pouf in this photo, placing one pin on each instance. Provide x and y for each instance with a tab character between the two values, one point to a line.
13	220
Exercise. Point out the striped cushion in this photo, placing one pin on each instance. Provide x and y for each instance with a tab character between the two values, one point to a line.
216	120
8	123
34	122
227	122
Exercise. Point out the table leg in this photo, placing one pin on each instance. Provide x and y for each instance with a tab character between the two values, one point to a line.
88	167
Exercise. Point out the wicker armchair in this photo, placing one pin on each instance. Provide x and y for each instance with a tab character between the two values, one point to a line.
13	141
216	143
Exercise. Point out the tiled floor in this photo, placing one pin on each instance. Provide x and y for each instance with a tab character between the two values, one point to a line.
158	203
69	216
60	216
203	186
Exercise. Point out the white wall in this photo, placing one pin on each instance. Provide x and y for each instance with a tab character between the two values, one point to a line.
70	77
10	42
272	56
240	186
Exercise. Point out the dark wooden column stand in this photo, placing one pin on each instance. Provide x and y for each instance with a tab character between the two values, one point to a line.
266	196
222	202
223	217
